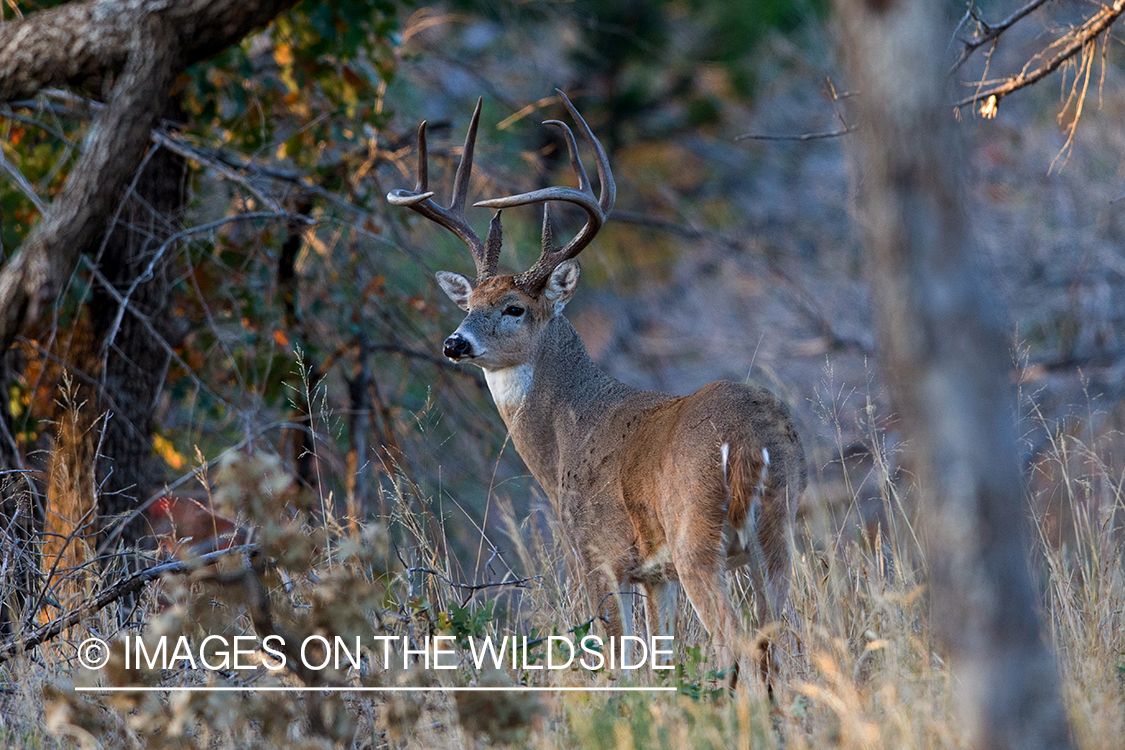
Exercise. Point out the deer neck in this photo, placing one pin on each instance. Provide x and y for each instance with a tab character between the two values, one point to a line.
554	400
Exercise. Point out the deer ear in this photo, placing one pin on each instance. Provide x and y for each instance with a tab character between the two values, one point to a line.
455	285
560	287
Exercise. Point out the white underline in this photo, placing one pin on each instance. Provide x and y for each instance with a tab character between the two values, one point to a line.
396	689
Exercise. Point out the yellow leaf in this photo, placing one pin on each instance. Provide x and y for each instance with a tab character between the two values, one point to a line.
283	55
168	452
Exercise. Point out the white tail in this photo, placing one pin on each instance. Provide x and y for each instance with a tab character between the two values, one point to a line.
653	489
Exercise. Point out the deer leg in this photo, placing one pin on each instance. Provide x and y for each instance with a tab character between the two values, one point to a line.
772	574
702	578
661	600
615	605
773	597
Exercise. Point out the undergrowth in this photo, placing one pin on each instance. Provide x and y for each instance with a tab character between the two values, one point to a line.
860	668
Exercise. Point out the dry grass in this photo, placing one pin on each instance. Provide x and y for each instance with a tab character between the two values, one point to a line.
867	673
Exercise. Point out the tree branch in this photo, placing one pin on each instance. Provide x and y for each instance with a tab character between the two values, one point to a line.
986	32
1072	43
150	42
114	147
15	644
76	42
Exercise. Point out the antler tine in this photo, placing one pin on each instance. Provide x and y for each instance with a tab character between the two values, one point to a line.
423	161
596	207
572	150
492	245
465	166
453	218
605	175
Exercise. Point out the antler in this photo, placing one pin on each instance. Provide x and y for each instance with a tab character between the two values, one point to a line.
485	254
598	207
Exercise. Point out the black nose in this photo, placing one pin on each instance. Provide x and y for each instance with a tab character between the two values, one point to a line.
457	347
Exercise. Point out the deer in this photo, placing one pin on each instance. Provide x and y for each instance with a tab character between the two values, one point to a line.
653	490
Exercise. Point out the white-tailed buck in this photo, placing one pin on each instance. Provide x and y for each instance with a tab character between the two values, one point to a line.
653	489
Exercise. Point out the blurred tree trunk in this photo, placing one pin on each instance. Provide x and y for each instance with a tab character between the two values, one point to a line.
944	346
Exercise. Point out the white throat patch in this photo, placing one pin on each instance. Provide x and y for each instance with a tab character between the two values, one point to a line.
509	386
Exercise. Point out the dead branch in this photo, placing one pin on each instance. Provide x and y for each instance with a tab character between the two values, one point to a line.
471	589
805	302
1069	45
987	32
16	644
801	137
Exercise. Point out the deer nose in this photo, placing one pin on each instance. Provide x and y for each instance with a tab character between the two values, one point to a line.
457	347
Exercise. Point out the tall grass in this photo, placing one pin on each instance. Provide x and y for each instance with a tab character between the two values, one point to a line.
859	667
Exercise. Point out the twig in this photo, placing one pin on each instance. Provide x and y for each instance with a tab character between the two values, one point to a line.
844	130
150	268
802	137
805	302
1078	39
473	588
990	32
22	184
17	644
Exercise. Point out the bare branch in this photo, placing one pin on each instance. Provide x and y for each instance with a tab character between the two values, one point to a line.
21	183
16	644
802	137
844	129
1071	44
987	32
471	589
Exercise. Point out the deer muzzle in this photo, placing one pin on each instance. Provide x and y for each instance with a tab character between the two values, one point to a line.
457	347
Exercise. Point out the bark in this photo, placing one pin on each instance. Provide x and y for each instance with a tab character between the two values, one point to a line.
101	462
77	42
129	359
944	348
112	151
145	44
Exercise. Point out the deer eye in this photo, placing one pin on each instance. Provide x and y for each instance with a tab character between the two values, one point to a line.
514	310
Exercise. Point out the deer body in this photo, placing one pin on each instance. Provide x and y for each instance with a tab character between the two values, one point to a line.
652	489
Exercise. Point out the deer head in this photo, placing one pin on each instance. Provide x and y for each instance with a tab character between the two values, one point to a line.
507	312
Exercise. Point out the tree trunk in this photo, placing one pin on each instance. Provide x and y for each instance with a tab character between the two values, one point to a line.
102	464
136	363
944	347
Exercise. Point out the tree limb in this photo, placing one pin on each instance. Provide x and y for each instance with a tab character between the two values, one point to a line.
114	147
1071	43
77	42
17	643
987	32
